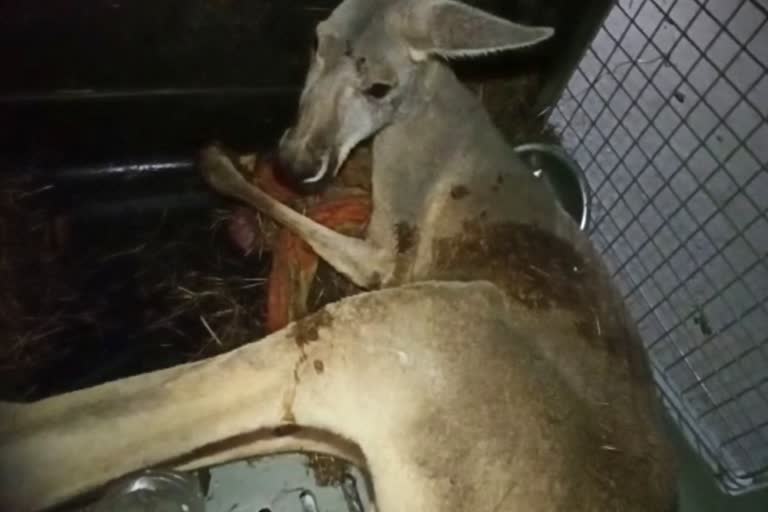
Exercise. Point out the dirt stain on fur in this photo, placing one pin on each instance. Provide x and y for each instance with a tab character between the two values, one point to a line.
327	470
542	272
534	267
406	235
306	330
499	182
459	192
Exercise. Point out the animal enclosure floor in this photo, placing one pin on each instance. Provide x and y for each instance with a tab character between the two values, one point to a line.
116	297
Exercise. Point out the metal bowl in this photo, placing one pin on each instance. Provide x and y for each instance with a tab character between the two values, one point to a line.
565	175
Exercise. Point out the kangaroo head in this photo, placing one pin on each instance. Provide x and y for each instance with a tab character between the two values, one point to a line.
364	71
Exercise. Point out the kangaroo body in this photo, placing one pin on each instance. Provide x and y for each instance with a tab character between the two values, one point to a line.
491	366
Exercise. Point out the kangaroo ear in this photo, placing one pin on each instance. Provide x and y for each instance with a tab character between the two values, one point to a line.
452	29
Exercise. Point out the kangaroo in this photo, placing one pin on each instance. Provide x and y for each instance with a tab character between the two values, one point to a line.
490	365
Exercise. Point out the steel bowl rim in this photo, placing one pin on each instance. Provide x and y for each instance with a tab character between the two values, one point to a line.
559	153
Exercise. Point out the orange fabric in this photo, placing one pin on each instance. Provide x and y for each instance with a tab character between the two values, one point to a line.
294	263
265	179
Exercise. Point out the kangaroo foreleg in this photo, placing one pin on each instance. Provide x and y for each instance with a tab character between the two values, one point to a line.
363	263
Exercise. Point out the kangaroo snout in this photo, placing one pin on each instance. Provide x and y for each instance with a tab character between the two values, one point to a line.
305	161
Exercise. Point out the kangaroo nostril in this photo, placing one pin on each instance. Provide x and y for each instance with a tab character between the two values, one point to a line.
303	160
314	151
295	165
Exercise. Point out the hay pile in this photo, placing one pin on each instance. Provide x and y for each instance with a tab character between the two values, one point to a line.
83	302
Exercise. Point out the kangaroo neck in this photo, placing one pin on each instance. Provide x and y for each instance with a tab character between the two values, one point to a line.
443	130
443	124
443	134
440	109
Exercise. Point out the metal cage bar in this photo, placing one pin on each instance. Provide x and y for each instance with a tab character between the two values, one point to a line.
667	113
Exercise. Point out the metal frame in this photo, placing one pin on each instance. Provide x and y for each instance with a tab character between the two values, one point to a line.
667	114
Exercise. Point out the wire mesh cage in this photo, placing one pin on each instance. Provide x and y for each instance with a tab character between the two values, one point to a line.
667	115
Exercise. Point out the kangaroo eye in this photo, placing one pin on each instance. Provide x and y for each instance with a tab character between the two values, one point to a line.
378	90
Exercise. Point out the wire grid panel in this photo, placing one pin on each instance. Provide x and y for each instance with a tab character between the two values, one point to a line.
667	115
